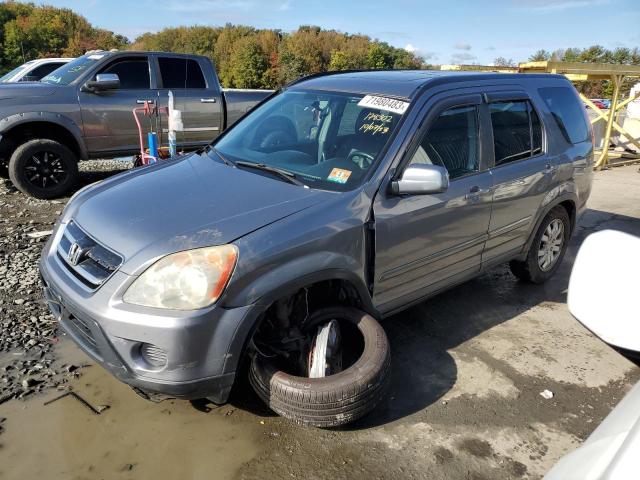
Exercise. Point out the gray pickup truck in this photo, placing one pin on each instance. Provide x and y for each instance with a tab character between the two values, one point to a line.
343	199
84	110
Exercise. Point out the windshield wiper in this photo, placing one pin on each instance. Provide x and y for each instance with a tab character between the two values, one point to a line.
224	159
283	174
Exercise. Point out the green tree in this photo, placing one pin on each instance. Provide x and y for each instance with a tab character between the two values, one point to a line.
540	56
249	64
504	62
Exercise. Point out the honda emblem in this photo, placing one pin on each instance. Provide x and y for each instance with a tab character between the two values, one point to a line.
74	254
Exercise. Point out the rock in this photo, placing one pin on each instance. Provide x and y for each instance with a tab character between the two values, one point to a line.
546	394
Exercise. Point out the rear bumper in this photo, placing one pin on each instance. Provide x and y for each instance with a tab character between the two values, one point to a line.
200	349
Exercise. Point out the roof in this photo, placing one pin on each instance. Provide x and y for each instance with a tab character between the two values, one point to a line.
394	83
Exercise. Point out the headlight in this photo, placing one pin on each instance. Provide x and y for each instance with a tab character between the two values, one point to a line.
185	280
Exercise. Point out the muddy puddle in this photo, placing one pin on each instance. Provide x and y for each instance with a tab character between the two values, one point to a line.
133	438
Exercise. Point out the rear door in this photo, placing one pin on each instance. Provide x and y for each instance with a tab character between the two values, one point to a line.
107	117
426	242
523	172
196	94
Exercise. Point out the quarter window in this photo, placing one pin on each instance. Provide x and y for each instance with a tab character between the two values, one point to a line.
517	132
181	73
133	73
452	142
567	112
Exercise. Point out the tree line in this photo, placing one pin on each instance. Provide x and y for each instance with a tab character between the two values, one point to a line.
245	57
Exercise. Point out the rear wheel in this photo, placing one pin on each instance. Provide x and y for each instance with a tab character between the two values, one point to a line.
329	395
43	168
547	250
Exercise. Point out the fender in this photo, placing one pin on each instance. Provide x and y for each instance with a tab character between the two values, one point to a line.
7	123
288	286
555	197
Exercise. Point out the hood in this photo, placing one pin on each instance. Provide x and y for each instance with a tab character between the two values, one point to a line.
179	205
26	89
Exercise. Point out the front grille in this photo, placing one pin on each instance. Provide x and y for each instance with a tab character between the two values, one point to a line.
81	330
85	258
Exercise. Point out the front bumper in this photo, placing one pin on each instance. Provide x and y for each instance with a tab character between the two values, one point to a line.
201	348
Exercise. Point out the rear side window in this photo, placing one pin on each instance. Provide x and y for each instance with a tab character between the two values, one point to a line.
44	70
567	113
517	132
181	73
452	142
133	73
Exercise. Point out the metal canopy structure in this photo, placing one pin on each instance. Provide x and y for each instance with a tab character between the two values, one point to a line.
580	72
590	72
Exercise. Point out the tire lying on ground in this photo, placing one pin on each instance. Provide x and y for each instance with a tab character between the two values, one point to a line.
43	168
336	399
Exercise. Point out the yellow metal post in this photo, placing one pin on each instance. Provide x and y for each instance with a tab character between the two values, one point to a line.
604	157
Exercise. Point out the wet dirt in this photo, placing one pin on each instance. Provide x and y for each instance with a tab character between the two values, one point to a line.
464	402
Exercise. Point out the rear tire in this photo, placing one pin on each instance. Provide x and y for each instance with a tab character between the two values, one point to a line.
531	269
336	399
43	168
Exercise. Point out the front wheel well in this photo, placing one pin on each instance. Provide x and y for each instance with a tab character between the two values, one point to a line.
16	136
288	313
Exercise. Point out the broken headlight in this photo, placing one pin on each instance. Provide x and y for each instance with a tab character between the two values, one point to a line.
185	280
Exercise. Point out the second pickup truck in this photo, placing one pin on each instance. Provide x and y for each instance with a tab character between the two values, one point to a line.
84	109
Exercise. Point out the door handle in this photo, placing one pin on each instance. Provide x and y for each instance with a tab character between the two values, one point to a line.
207	100
474	193
142	102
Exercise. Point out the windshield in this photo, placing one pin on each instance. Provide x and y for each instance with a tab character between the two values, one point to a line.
327	140
69	72
7	76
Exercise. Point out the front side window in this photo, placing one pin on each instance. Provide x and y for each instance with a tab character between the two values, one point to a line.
517	132
452	142
180	73
132	72
327	139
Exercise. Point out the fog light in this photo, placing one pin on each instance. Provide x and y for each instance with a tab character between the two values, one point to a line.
153	355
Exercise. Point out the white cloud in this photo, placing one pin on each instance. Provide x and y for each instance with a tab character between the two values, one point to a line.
285	6
556	5
462	46
410	48
463	58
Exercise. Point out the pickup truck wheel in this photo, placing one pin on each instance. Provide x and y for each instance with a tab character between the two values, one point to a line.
43	168
335	399
547	250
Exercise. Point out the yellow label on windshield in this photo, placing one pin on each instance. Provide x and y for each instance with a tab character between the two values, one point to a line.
338	175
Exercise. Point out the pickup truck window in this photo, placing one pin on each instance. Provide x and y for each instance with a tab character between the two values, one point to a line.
517	132
181	73
326	139
452	142
72	70
133	73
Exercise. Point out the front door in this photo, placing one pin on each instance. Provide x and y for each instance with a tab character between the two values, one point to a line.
426	242
107	116
198	99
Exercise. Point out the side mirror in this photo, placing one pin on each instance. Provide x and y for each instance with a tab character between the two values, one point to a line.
603	290
103	81
421	179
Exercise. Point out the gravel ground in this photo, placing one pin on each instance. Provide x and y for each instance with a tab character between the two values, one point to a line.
465	402
27	363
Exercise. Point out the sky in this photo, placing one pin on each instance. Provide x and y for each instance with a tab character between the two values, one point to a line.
462	31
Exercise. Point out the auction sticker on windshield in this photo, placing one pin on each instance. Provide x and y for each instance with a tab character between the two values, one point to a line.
338	175
384	103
